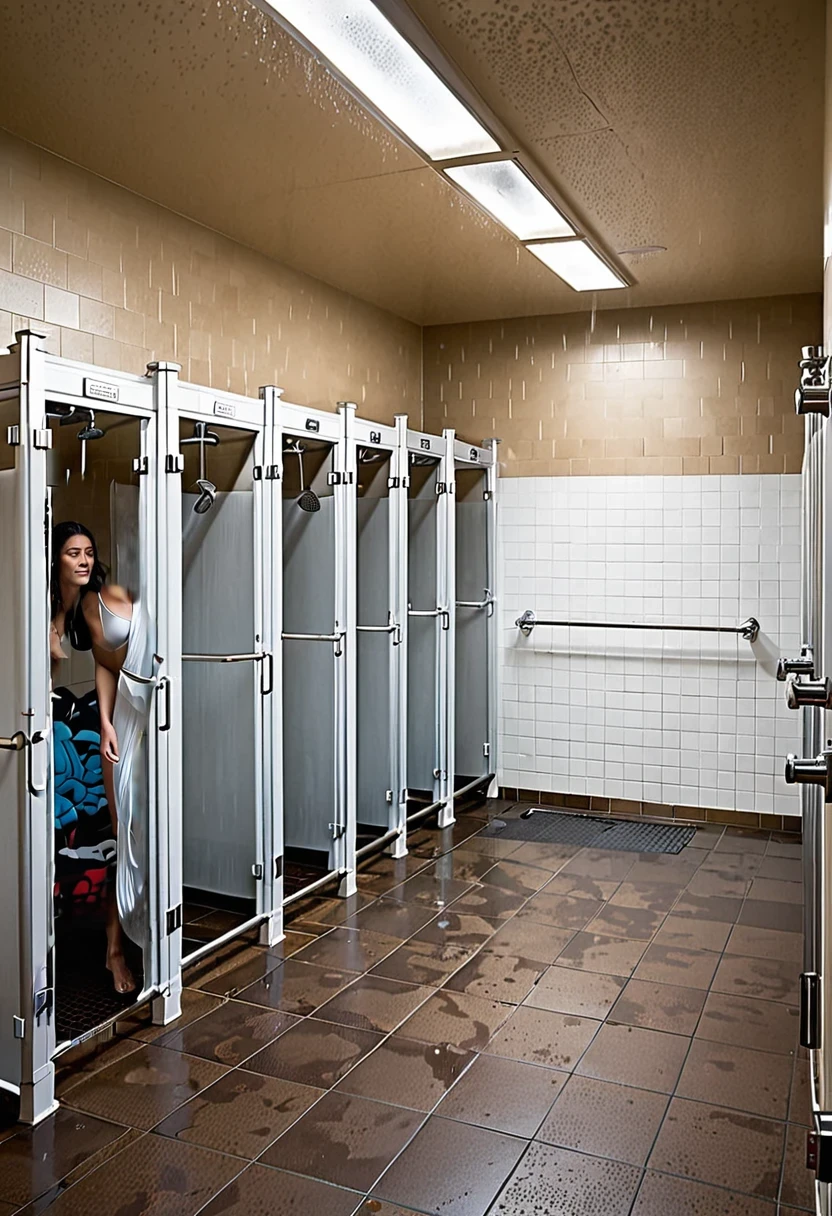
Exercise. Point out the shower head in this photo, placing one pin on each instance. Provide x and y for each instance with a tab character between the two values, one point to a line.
207	495
308	500
90	431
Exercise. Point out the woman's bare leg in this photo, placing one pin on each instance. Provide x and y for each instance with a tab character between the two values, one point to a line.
123	978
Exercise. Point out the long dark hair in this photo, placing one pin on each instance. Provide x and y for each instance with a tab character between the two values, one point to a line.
76	626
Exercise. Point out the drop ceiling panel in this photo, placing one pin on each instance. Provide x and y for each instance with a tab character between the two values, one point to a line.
695	125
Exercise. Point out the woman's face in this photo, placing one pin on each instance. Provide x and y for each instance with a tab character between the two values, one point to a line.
77	557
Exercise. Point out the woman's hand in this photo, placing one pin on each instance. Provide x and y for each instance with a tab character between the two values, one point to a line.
109	743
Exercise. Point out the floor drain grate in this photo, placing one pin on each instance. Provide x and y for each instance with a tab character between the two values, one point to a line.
545	826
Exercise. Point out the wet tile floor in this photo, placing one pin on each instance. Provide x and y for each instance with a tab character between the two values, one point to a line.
488	1027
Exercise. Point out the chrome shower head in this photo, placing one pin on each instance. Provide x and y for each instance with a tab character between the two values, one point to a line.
207	495
308	500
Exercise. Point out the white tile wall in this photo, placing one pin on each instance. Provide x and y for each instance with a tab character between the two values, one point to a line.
684	718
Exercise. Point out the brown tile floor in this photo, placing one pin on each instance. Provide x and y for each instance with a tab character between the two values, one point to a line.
488	1027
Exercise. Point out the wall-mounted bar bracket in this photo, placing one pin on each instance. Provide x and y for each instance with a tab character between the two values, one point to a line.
802	666
813	395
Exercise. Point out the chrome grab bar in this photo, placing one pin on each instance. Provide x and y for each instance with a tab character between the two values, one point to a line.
749	629
391	627
443	612
335	638
488	602
256	657
396	630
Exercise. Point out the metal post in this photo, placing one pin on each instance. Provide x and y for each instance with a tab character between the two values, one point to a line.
345	666
398	544
37	1081
446	596
492	621
273	929
167	713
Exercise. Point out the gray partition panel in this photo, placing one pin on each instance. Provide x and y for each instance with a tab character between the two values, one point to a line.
11	771
373	667
472	656
218	740
219	795
308	676
422	641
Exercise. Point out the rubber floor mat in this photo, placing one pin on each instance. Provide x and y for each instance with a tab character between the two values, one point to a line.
545	826
84	993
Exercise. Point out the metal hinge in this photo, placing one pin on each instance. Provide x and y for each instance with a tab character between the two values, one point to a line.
13	436
393	483
44	1001
269	472
486	749
173	920
337	829
175	463
441	487
19	1027
140	465
339	479
439	774
278	867
42	439
257	870
810	1010
388	796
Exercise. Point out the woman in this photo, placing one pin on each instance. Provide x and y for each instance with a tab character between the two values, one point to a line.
95	617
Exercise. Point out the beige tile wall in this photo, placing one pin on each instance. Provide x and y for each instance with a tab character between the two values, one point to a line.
695	388
118	281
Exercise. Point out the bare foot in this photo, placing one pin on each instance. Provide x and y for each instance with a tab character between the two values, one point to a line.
123	980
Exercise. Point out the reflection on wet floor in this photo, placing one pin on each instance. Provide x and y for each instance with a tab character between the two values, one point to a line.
488	1027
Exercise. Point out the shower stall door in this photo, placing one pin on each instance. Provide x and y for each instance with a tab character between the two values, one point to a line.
312	552
430	580
227	674
475	659
379	457
808	689
82	444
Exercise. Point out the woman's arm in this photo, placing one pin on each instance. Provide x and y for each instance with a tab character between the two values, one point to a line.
105	686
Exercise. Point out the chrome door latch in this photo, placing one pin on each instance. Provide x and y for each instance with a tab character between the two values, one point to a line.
813	395
811	772
802	666
802	694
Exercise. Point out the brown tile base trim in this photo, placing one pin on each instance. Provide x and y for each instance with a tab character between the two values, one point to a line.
627	808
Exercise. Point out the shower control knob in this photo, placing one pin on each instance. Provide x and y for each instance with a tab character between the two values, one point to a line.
814	393
804	693
803	666
811	772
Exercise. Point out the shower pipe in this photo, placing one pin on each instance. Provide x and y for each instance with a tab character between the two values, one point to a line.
749	629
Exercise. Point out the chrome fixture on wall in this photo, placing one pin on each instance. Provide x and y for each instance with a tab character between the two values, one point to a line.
802	666
748	629
812	397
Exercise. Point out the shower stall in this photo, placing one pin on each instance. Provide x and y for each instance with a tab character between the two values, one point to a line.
224	710
379	455
302	592
78	444
474	634
430	593
311	550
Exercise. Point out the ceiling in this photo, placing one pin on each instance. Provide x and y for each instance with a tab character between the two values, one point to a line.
691	124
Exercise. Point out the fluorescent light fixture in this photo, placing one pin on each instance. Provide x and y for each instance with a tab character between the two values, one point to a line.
365	48
510	195
577	264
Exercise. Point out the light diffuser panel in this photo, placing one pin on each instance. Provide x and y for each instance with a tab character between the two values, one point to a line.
360	42
504	190
577	264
